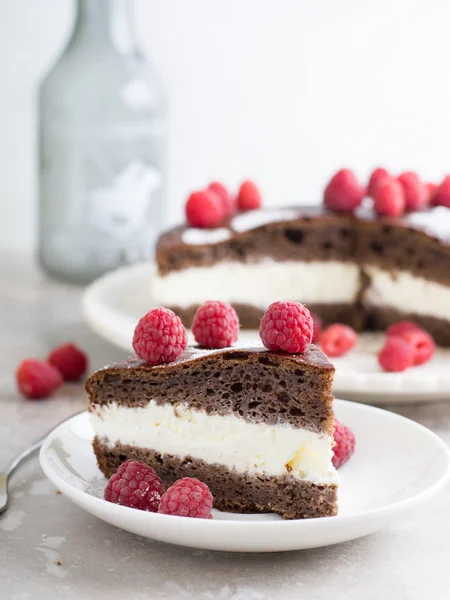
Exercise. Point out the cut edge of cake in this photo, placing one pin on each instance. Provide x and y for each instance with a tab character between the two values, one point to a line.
256	426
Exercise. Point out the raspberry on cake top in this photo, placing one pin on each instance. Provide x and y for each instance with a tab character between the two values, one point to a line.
364	263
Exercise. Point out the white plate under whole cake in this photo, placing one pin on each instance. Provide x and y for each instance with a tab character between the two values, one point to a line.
113	304
377	486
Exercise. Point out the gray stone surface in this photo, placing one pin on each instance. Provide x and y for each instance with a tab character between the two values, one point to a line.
409	561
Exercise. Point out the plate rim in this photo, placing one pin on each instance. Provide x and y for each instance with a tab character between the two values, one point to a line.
320	522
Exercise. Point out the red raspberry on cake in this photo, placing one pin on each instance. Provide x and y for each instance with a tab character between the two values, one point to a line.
70	361
422	344
396	354
343	193
215	325
204	209
160	337
188	497
389	198
249	196
37	379
227	200
317	328
286	326
400	327
376	176
338	339
135	485
344	444
442	195
415	192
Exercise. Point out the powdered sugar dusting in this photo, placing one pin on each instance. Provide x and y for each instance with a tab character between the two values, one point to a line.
194	237
435	222
257	218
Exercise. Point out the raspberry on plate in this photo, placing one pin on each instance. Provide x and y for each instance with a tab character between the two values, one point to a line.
135	485
400	327
389	198
422	344
286	326
343	193
416	192
215	325
70	361
188	497
249	196
37	379
160	336
376	176
396	354
338	339
344	440
317	328
442	195
228	201
204	209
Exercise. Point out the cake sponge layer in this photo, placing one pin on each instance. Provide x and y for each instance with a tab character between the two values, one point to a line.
232	491
254	384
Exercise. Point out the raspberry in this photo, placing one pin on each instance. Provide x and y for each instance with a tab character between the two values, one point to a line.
204	209
422	344
396	354
136	485
159	337
249	197
400	327
442	195
344	192
389	198
432	189
227	200
188	497
286	326
376	176
70	361
338	339
317	328
344	444
416	193
215	325
37	379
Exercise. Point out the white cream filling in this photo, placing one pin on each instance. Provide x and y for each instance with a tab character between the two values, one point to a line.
260	283
227	440
407	293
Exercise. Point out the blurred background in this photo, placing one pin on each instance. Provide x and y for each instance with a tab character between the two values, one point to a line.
283	92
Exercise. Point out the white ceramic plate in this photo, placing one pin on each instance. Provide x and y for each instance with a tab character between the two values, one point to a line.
377	486
113	304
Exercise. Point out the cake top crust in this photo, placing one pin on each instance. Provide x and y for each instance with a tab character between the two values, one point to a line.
435	222
313	358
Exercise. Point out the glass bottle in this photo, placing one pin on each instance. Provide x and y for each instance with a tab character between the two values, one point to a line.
102	148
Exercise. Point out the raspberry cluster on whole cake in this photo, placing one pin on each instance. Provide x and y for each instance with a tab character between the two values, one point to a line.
359	268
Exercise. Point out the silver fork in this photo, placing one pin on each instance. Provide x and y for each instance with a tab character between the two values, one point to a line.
5	476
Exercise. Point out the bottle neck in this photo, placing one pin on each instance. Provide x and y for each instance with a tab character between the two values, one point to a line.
105	22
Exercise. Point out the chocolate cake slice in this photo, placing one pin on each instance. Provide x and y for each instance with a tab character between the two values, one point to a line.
359	269
254	425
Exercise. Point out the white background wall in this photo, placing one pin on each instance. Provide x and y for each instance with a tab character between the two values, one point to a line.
283	91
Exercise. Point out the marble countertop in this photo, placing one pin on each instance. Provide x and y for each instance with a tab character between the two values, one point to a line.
409	561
